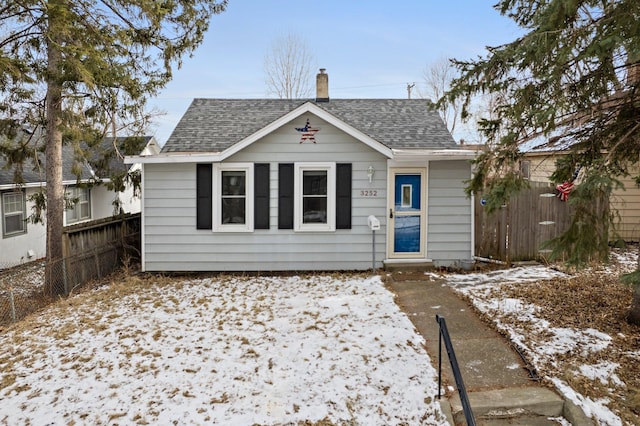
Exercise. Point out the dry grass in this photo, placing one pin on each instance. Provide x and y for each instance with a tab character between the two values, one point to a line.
94	313
587	300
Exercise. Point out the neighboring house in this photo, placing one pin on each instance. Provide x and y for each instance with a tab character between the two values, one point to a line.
273	185
22	240
538	165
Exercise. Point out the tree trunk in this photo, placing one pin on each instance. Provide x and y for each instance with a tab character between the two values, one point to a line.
54	274
633	316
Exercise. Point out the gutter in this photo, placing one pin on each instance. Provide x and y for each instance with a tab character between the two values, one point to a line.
182	157
439	154
44	184
216	157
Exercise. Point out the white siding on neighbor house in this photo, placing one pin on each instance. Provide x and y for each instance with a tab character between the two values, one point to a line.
172	242
449	216
15	249
102	201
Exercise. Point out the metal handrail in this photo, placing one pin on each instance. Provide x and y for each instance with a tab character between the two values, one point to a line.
462	391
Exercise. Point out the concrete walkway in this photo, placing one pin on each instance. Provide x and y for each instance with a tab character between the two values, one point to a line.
500	388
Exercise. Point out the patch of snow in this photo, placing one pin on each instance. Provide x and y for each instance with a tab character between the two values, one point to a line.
481	289
566	339
634	354
432	275
628	259
511	275
559	420
595	409
238	351
603	372
557	340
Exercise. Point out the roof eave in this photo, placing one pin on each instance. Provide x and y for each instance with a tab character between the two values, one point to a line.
27	185
434	154
175	157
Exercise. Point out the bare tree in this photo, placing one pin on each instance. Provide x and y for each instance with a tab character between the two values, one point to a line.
437	79
289	68
482	113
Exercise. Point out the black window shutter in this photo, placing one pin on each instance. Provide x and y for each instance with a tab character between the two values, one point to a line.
261	196
285	196
343	196
204	201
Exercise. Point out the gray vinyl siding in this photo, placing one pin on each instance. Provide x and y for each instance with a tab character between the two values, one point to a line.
449	221
172	242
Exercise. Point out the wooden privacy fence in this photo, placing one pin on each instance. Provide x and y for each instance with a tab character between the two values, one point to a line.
518	230
95	249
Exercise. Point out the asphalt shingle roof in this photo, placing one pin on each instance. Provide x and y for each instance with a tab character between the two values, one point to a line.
213	125
34	172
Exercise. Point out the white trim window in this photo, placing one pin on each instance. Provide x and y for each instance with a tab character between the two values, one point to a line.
525	169
78	204
233	197
314	197
14	215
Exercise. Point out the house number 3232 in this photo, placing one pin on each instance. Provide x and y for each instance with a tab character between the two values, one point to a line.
369	193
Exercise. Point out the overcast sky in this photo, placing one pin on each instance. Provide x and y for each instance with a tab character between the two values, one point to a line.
371	49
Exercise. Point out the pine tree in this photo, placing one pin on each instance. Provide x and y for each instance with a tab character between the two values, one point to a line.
69	69
572	83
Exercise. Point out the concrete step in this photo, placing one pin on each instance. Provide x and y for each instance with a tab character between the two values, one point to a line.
506	406
396	266
522	421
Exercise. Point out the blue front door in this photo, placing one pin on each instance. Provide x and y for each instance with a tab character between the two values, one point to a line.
407	214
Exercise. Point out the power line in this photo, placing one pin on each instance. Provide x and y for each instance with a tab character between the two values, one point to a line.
367	86
262	94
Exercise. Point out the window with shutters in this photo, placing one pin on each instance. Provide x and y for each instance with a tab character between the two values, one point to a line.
314	197
233	197
14	214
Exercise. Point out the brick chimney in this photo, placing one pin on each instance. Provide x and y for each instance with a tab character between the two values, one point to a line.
322	86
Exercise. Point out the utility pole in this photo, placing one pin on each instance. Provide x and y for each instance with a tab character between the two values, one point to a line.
409	87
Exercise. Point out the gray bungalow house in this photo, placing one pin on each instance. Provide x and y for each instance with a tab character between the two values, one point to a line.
274	185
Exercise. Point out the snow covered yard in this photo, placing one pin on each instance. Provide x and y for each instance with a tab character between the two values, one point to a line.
572	327
225	350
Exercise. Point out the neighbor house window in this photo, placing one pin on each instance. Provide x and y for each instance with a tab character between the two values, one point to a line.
233	197
78	204
314	197
14	216
525	169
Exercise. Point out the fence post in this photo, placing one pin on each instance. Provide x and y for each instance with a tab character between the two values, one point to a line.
97	261
66	242
13	305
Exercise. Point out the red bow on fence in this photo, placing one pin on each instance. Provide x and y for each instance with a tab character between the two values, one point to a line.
563	190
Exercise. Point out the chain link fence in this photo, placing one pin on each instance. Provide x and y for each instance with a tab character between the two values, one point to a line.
28	287
21	291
